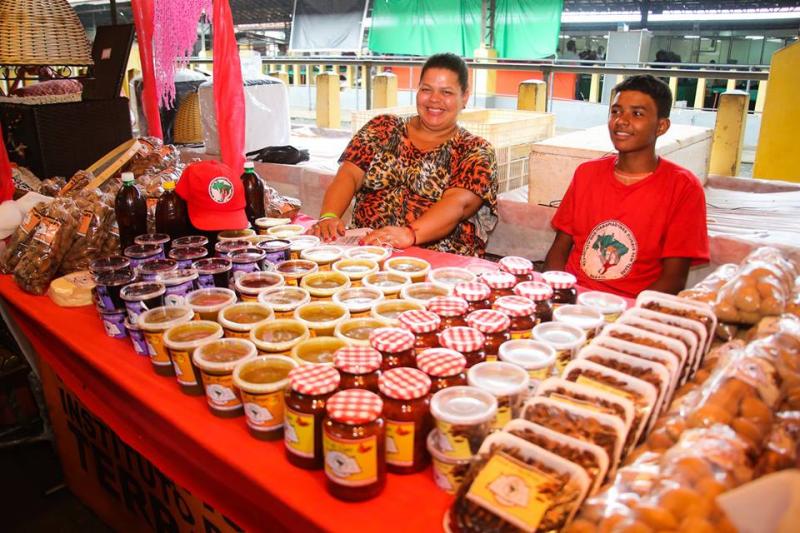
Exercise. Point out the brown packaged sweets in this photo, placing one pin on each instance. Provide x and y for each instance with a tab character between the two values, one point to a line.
707	289
542	297
21	237
782	449
406	409
424	325
451	311
359	366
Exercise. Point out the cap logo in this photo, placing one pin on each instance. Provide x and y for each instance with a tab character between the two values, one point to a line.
220	190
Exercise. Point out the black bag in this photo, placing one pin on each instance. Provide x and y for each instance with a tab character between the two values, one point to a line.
286	155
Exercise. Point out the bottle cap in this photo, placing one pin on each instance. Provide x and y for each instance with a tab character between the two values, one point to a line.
249	164
169	185
127	177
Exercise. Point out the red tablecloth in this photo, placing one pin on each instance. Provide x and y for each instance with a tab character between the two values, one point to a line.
248	480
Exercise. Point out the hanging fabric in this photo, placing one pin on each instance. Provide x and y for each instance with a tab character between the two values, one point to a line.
143	19
6	180
228	88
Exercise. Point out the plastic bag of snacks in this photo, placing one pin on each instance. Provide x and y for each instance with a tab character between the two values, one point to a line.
21	237
514	485
674	305
707	289
782	449
780	345
663	357
96	218
716	357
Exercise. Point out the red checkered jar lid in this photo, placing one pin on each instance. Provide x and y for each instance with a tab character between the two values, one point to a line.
354	406
499	280
559	280
516	265
472	291
441	362
391	340
448	306
357	359
534	290
404	383
488	321
462	339
419	321
314	380
514	306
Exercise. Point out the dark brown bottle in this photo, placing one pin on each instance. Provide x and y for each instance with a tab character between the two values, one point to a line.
171	213
130	208
253	193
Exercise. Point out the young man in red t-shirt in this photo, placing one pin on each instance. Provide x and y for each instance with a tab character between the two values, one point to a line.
632	221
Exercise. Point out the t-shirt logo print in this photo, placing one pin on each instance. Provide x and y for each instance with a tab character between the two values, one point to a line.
220	190
609	251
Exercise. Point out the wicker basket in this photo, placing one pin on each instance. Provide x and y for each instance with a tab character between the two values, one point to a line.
42	32
188	128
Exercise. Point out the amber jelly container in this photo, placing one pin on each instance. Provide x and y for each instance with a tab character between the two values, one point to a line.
182	341
216	361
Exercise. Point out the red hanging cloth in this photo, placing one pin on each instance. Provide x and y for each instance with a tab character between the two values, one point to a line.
228	88
6	181
143	19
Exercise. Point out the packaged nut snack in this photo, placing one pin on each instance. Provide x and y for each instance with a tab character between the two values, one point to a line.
683	307
96	219
21	238
685	337
637	335
695	328
517	486
668	359
464	417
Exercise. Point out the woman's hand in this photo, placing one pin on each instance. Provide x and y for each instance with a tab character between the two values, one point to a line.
328	229
399	237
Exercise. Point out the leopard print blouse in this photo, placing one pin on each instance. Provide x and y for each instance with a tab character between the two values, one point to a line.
402	182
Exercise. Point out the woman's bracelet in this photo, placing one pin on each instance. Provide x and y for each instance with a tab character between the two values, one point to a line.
329	214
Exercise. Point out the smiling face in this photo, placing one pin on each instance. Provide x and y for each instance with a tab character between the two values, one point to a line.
633	122
440	99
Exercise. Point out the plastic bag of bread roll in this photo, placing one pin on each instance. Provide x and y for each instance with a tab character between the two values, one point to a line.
773	260
781	348
782	450
706	290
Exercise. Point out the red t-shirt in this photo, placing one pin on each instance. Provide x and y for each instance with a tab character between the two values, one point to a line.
621	232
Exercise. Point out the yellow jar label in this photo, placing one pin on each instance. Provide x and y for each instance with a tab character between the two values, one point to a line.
502	417
182	361
298	435
539	373
231	334
445	476
453	442
491	358
563	357
514	491
589	382
353	463
158	351
264	412
521	334
399	443
220	392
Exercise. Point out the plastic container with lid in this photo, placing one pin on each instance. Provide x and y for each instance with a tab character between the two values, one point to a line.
388	283
424	325
324	256
537	358
264	223
465	340
379	254
114	323
262	384
286	230
519	267
298	243
564	287
448	474
389	310
277	250
324	284
355	269
508	383
141	297
423	293
445	367
495	328
310	387
406	410
449	277
249	285
358	300
565	339
520	311
294	270
224	248
178	284
589	319
610	305
217	360
151	270
181	341
248	259
111	263
354	444
317	350
464	417
207	303
416	269
141	253
187	255
356	331
541	295
359	367
213	272
235	234
154	323
108	288
476	294
190	241
396	346
284	300
139	343
239	319
161	239
451	309
321	318
278	337
500	283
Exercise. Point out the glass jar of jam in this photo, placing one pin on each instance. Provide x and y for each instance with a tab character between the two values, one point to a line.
324	284
508	383
467	341
423	293
225	247
213	272
354	444
424	325
610	305
294	270
396	346
207	303
187	255
540	294
251	284
356	331
359	366
238	319
406	408
355	269
445	367
317	350
217	360
310	387
278	337
500	283
451	309
284	300
413	267
358	300
519	267
321	318
476	294
324	256
388	283
449	277
520	310
563	285
495	328
389	310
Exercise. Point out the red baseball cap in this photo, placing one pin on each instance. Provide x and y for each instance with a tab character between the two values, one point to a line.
214	195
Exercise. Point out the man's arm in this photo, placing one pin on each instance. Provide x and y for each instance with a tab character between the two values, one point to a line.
675	271
556	258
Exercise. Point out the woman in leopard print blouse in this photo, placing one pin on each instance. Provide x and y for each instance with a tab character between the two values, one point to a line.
421	180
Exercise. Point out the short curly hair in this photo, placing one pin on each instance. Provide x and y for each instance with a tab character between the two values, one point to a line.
450	62
651	86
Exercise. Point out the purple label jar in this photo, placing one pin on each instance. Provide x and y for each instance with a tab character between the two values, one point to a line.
178	283
213	272
140	345
276	250
112	263
140	253
151	270
141	297
224	248
107	290
187	255
161	239
247	260
190	241
114	324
